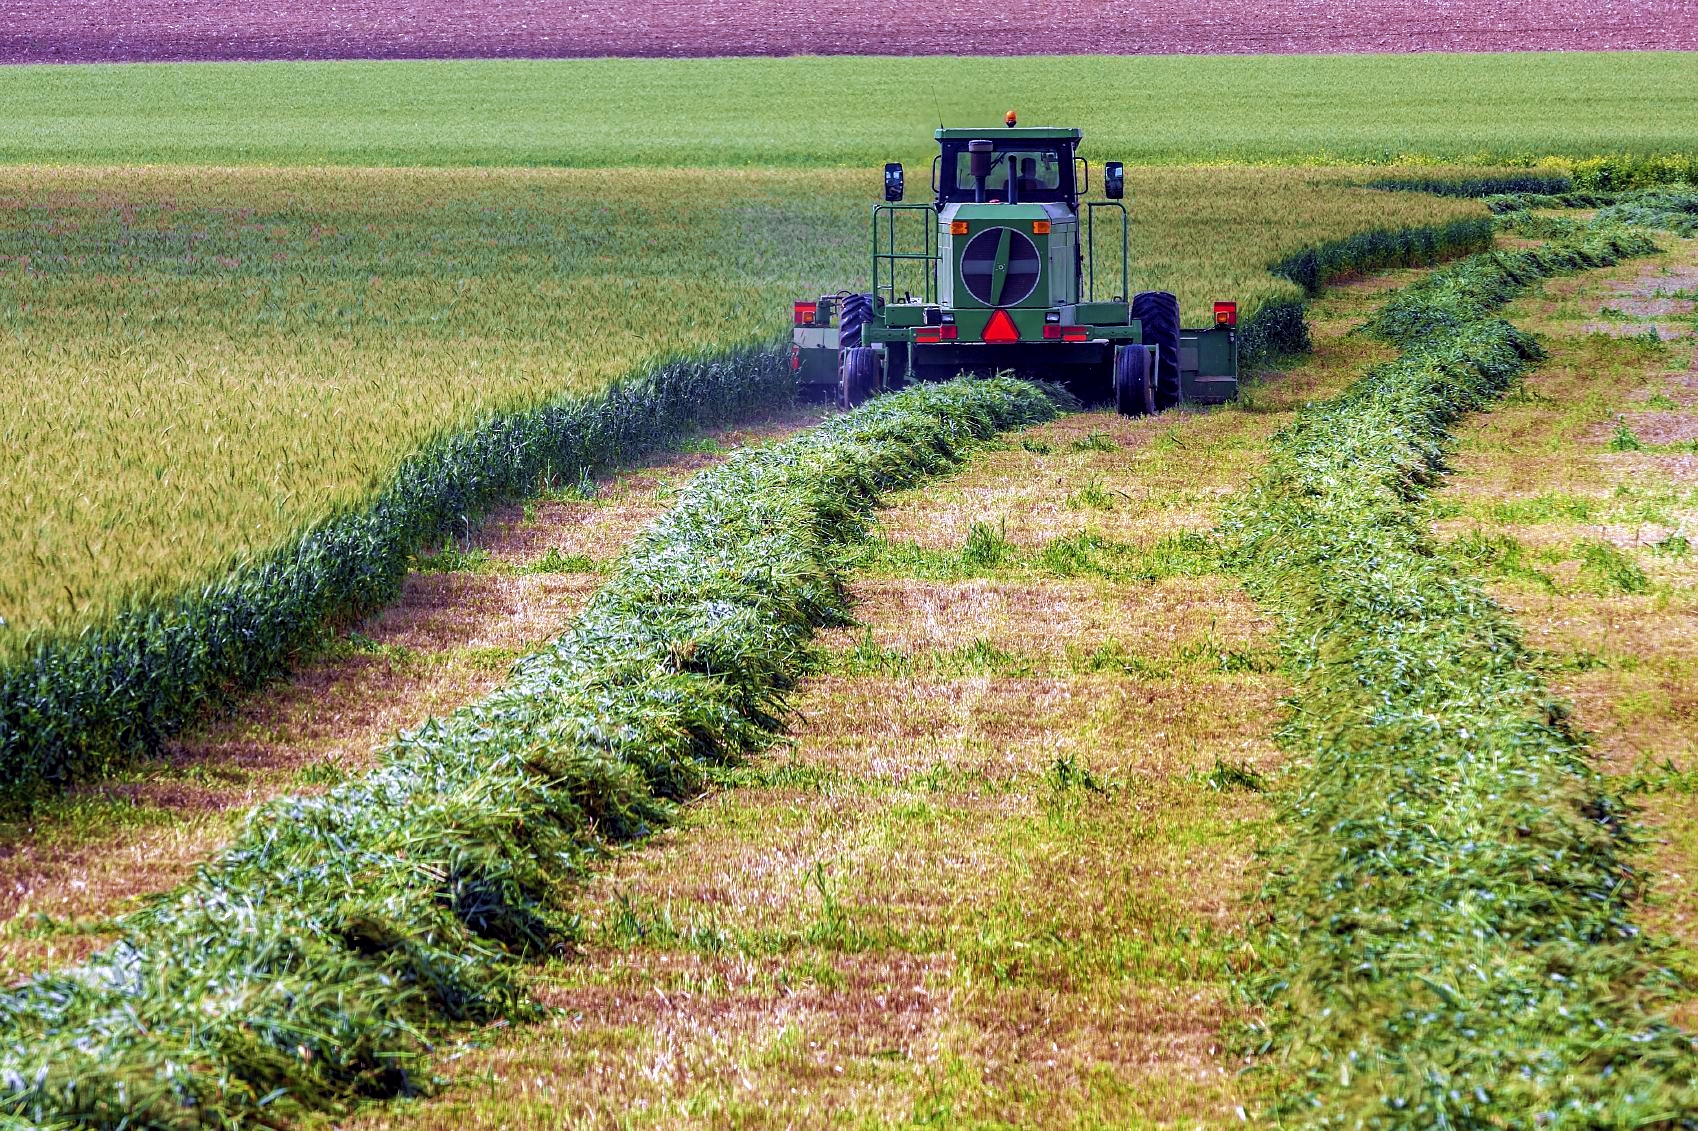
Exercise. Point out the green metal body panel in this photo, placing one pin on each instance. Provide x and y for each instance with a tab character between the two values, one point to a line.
1098	314
1208	365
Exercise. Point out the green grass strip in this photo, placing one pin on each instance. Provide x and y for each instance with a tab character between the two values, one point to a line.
309	961
1450	940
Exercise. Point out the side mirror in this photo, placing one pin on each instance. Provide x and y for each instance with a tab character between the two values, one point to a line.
893	184
1114	180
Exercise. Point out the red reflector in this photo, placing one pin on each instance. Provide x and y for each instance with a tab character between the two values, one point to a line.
795	358
929	333
805	312
1052	332
1226	314
1074	333
1001	328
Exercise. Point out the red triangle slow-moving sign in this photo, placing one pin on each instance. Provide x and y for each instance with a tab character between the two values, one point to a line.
1001	328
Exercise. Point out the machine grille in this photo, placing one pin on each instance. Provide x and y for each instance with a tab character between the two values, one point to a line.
1000	266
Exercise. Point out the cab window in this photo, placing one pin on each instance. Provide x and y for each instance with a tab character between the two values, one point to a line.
1038	171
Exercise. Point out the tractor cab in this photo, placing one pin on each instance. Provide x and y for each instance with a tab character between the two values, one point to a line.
1036	167
1012	266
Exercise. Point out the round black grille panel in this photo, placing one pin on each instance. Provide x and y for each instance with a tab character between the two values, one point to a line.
1000	266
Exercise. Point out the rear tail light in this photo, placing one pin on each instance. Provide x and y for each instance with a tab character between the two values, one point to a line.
1074	333
925	334
795	358
806	312
1226	314
1052	332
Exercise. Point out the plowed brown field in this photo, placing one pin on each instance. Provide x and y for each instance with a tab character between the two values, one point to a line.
35	31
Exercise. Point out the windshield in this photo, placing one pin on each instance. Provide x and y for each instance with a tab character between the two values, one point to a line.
1040	172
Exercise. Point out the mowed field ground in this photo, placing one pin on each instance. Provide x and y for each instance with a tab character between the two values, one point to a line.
1005	872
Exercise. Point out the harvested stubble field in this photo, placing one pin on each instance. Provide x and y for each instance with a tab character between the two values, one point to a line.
1002	877
205	362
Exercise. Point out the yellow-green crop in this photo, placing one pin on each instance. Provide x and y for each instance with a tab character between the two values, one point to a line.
203	362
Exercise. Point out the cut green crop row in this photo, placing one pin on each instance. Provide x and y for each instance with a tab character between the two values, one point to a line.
1451	938
307	962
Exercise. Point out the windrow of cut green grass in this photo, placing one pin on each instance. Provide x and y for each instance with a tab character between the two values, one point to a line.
309	961
1451	940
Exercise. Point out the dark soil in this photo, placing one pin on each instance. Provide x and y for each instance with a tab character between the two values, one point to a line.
43	31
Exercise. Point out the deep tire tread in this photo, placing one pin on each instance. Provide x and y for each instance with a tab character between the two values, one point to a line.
1158	311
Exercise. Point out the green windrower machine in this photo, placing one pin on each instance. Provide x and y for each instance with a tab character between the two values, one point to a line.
1000	273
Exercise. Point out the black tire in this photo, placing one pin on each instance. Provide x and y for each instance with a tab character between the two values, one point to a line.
861	373
1134	392
854	312
1158	311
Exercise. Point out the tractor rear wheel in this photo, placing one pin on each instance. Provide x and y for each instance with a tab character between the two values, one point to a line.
854	312
861	372
1134	392
1158	311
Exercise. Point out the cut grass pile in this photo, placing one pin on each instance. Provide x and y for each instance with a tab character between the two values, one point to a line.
766	112
1451	941
306	962
1670	209
1582	541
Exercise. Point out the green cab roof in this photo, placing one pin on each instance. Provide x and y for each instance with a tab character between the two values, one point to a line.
1009	133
